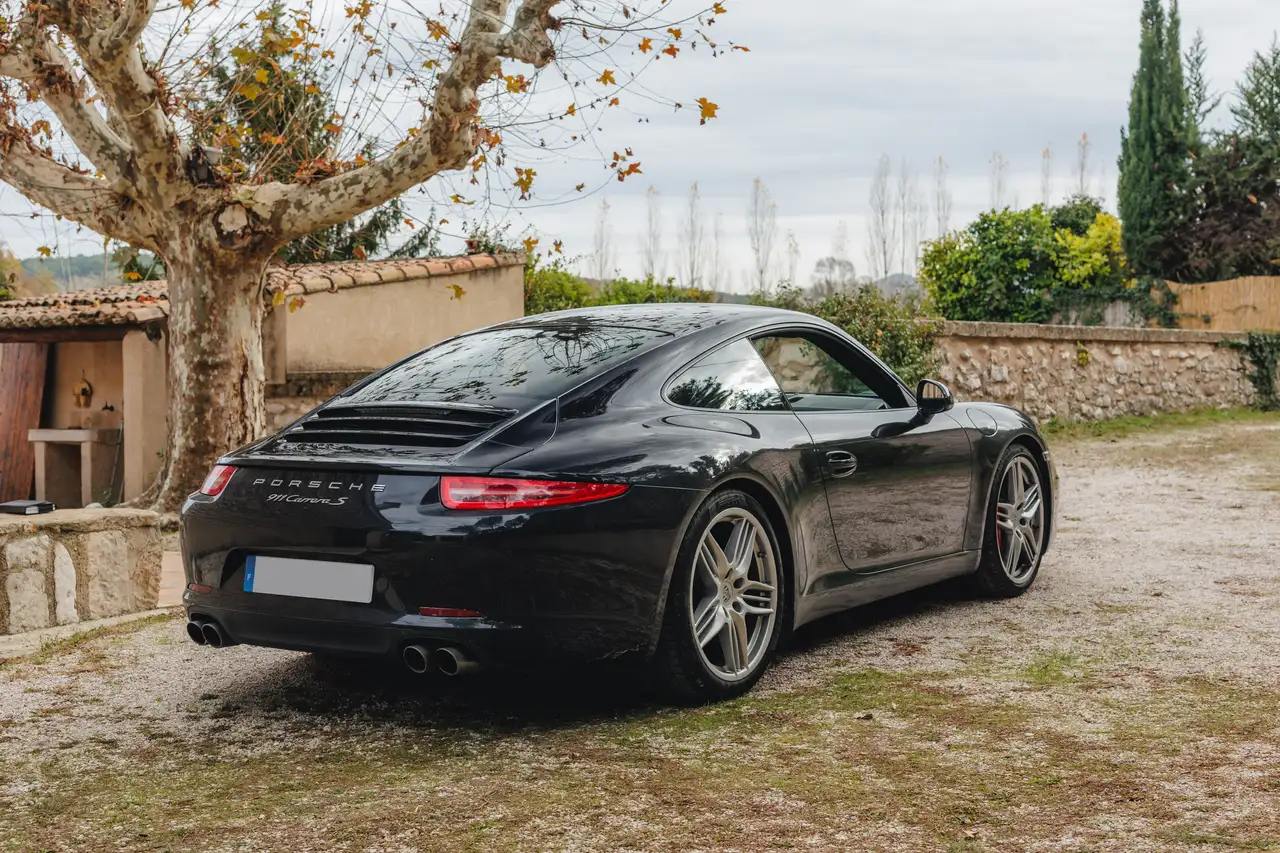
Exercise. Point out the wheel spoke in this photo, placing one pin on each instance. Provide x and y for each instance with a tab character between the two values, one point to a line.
1031	540
757	598
734	643
712	556
740	550
1015	551
708	621
1031	501
1019	485
1006	515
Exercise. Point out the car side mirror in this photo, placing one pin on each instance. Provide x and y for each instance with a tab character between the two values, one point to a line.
933	398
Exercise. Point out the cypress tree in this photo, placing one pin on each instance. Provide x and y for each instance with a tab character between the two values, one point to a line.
1156	150
1140	181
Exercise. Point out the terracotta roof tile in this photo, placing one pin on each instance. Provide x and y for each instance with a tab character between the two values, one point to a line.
143	302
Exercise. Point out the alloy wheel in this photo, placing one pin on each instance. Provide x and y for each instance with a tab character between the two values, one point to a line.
733	595
1020	519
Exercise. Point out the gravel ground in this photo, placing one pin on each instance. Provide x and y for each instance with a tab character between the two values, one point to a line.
1128	703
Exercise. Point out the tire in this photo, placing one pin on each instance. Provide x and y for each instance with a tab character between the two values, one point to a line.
725	607
1006	524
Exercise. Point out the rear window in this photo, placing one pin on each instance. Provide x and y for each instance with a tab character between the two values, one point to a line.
509	366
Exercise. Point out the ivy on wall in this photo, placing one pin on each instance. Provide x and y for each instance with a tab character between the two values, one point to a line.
1263	351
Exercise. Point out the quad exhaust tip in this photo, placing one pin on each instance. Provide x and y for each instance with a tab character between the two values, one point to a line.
446	660
213	635
196	633
417	658
453	661
206	632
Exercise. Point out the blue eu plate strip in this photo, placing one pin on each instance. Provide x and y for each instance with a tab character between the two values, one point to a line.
248	574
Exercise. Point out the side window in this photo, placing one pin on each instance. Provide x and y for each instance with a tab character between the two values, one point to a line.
733	378
820	375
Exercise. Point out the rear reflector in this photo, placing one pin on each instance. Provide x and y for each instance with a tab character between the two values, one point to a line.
494	493
200	588
450	612
217	480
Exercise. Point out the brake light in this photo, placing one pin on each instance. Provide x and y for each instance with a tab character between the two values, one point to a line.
217	480
450	612
496	493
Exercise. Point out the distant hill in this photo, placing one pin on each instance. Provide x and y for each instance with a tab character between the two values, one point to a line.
78	272
897	284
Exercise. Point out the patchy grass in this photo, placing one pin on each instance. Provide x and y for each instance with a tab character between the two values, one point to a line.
94	656
1052	668
871	761
1129	426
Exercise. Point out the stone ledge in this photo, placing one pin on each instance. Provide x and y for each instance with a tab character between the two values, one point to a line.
77	521
64	567
1036	331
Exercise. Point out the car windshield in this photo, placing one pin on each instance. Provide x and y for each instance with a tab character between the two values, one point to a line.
509	366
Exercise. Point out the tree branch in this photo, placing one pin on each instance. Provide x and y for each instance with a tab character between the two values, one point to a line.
89	201
47	72
448	141
112	60
527	40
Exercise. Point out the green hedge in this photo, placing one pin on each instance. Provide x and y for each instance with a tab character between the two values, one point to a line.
551	287
900	331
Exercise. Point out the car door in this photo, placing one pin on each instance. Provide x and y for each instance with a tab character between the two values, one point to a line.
898	491
731	384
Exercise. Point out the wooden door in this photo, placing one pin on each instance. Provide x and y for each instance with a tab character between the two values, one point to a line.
22	375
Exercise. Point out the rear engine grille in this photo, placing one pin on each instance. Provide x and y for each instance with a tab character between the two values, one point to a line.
399	425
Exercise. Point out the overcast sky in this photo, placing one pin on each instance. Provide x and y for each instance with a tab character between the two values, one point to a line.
827	89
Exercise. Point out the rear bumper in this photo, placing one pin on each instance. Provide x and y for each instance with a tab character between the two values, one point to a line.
492	643
575	583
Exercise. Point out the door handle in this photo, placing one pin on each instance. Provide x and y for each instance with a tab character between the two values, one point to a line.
842	463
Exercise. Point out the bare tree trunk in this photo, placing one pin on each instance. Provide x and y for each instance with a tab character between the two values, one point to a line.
1046	178
999	165
651	258
216	373
793	258
902	208
1082	165
941	198
762	230
692	262
882	224
602	267
716	273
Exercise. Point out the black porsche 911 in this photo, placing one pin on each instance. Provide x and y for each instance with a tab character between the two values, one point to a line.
684	484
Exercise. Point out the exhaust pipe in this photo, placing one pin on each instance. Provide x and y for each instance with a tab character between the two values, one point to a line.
196	633
213	635
453	661
417	658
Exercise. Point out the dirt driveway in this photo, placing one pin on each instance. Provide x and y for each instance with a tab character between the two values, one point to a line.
1128	704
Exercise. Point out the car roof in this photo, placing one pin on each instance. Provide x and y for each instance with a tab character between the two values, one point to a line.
674	318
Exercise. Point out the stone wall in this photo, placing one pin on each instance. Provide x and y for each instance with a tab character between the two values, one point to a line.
290	400
73	565
1092	373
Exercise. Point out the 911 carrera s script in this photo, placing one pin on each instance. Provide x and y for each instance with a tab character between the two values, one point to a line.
281	497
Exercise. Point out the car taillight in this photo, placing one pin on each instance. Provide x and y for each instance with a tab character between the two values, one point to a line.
217	480
496	493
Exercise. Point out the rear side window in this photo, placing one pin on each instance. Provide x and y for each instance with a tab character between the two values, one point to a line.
733	378
509	365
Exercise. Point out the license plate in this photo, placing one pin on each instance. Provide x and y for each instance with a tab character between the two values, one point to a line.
309	579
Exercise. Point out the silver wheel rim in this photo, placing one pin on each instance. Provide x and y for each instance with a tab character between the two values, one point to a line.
1020	520
733	595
